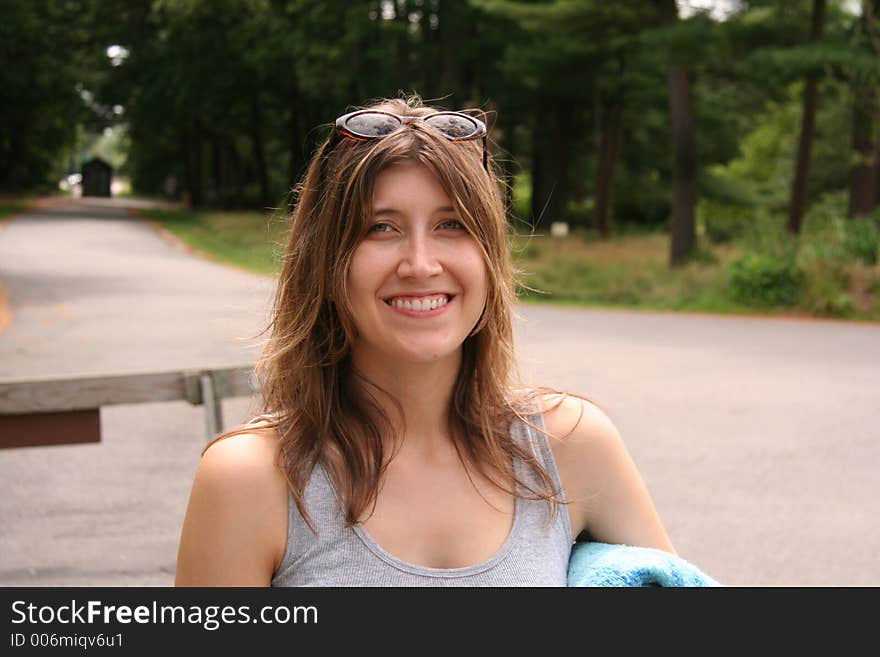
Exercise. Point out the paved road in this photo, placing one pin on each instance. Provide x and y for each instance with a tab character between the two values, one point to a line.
758	438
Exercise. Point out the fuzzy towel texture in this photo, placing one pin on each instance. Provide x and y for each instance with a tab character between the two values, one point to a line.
604	564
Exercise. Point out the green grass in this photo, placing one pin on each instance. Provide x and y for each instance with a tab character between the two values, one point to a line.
11	205
250	240
627	271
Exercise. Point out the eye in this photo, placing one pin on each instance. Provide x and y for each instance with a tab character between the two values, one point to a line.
452	224
379	228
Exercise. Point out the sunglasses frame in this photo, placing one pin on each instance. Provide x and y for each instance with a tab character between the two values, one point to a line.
480	133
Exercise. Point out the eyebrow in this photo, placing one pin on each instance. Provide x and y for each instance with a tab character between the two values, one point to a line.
393	211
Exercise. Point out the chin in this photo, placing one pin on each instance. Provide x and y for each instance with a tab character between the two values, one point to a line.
426	357
426	353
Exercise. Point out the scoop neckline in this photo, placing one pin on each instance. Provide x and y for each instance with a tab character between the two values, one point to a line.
428	571
461	571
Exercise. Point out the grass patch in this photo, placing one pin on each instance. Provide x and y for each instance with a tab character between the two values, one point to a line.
251	240
628	271
12	205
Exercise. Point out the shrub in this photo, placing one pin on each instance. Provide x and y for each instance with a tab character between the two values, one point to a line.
765	279
826	226
767	233
826	213
722	223
522	196
862	240
826	287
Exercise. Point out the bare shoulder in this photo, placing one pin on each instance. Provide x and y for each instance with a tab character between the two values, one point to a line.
235	529
609	498
583	438
575	420
243	456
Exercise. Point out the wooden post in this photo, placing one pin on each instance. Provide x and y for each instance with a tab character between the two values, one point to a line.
213	411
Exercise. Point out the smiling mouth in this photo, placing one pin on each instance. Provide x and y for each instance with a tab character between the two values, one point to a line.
420	304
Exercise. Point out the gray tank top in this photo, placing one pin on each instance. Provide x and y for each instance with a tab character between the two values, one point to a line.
535	552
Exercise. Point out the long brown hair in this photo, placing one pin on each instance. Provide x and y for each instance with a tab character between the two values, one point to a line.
309	390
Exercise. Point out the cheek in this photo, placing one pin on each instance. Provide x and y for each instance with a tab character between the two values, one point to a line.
481	277
360	274
474	269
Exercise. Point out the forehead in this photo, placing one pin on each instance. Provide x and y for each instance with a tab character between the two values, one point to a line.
408	185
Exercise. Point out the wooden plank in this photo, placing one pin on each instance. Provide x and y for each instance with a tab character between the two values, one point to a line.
42	429
49	394
234	382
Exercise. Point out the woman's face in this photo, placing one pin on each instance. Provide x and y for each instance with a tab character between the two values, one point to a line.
417	283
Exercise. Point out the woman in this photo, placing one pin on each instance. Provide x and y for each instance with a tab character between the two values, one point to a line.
395	448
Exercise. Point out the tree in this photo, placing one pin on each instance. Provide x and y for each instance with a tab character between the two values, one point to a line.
808	120
684	168
865	118
43	54
576	63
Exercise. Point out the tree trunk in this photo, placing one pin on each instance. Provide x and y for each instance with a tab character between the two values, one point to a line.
609	140
551	139
682	231
12	175
295	138
235	171
192	145
542	188
259	153
450	30
866	116
684	167
863	175
217	178
808	122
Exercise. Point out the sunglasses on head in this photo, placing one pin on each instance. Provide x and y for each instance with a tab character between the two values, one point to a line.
366	125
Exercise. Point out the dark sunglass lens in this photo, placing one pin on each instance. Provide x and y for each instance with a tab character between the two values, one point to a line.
453	125
372	125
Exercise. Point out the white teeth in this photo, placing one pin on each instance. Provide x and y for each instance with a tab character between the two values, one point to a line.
420	305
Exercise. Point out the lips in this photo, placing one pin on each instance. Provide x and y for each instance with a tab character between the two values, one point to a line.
430	296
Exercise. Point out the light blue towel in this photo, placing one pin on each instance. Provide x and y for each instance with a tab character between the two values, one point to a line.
604	564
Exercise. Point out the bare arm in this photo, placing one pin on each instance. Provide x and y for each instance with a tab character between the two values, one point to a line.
609	497
235	529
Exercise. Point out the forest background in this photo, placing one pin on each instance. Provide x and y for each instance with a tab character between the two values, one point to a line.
720	157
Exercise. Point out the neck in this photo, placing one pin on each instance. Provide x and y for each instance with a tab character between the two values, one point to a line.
424	392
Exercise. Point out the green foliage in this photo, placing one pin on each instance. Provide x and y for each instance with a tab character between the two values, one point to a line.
862	239
826	285
522	196
765	165
811	272
824	218
41	62
827	230
721	223
9	206
765	279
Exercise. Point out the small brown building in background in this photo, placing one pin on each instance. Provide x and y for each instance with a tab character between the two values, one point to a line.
96	177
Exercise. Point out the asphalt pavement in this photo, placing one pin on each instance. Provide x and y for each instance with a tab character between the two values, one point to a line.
758	438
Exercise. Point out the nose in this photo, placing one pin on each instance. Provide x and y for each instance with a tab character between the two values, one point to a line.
418	258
